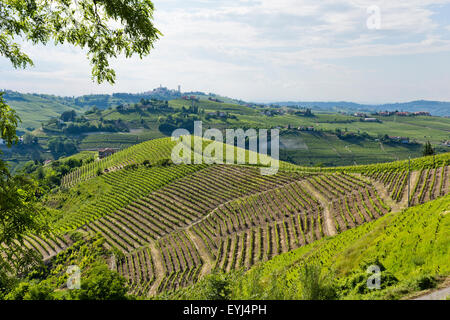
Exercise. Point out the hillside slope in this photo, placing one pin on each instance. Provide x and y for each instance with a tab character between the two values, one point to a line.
411	245
169	225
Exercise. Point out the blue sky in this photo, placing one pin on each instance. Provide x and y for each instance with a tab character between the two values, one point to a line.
271	50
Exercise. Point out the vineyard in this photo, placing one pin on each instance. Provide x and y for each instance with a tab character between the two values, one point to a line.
178	205
125	186
47	247
169	225
153	151
426	184
412	236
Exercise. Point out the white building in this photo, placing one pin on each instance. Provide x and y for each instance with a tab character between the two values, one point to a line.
2	142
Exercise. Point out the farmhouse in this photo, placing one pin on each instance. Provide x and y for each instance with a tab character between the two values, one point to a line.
215	100
404	140
370	120
422	113
102	153
219	114
302	128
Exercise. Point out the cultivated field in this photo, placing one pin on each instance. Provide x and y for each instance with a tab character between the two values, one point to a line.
169	225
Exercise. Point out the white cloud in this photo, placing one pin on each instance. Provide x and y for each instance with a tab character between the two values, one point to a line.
262	49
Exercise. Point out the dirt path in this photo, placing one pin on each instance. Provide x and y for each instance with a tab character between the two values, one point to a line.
440	294
383	193
329	225
415	175
204	253
159	270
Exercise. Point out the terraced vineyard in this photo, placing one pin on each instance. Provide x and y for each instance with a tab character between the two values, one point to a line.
353	200
254	228
126	186
426	184
153	150
172	224
46	247
180	204
139	269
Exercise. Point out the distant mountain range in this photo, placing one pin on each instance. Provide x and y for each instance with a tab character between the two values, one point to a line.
436	108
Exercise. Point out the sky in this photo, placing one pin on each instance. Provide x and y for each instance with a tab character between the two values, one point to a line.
271	50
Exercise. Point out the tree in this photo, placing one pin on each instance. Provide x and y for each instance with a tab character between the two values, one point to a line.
19	211
100	283
105	28
428	149
67	116
28	139
20	214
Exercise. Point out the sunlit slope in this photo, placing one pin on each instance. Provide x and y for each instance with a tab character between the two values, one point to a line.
200	150
411	243
161	149
102	195
152	150
172	223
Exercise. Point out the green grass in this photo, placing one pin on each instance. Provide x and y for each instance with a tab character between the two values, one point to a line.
33	109
313	148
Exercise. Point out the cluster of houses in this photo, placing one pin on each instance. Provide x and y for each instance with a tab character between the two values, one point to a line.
363	117
446	143
218	114
105	152
163	91
404	140
273	112
215	100
301	128
193	98
402	113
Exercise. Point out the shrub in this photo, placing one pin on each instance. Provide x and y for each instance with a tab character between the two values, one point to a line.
75	236
423	282
31	291
100	283
315	286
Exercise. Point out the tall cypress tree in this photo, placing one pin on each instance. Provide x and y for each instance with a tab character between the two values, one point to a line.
428	149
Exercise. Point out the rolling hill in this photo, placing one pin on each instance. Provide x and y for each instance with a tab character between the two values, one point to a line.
167	226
